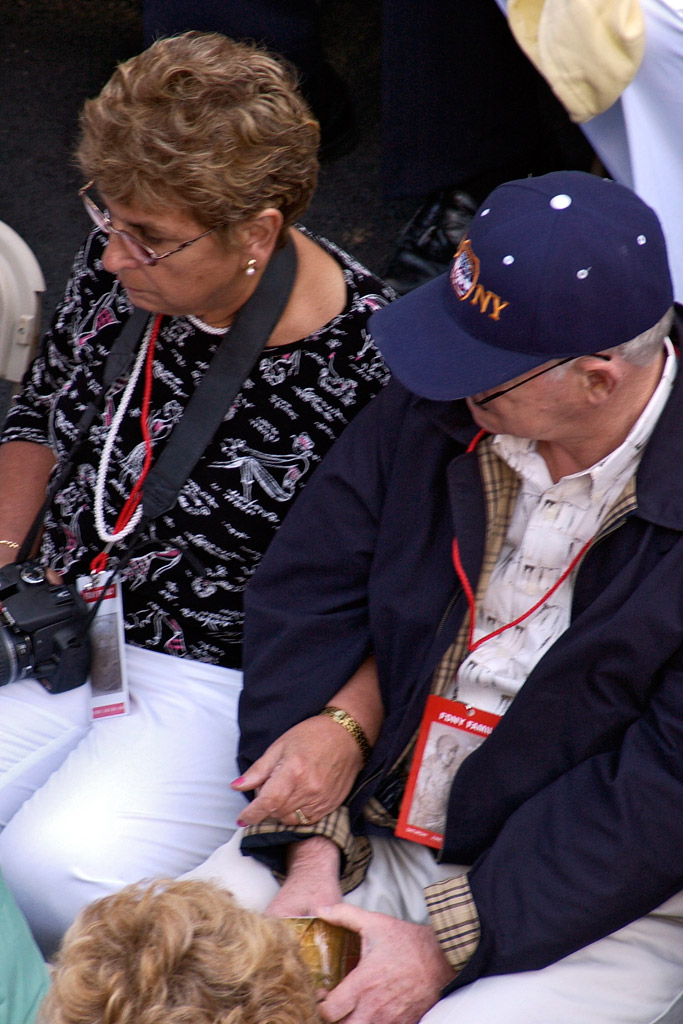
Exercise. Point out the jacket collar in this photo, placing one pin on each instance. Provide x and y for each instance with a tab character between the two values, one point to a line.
659	479
453	418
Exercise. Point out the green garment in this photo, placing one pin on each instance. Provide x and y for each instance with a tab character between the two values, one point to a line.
23	972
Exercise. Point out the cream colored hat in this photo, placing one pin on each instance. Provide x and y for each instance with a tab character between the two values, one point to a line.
587	50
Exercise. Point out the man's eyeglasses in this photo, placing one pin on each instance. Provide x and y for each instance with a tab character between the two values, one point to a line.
560	362
141	252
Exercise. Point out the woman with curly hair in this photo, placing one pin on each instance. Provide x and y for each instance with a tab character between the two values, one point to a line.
198	157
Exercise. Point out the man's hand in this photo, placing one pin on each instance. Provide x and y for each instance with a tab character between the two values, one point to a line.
312	879
400	976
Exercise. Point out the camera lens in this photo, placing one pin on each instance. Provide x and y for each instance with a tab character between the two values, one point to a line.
9	665
15	656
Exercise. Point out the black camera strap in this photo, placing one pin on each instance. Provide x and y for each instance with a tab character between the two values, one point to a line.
231	364
215	394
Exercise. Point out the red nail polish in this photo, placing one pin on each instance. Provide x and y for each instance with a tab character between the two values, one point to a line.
238	781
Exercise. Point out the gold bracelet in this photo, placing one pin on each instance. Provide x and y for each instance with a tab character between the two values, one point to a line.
349	723
10	544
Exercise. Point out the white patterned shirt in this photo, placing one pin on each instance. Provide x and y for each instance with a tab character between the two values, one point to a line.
556	520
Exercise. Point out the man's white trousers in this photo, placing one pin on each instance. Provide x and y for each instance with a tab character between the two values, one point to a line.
634	976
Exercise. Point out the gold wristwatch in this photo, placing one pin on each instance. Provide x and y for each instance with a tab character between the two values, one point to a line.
349	723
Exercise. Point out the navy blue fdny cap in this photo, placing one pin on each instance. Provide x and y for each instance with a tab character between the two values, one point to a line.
557	266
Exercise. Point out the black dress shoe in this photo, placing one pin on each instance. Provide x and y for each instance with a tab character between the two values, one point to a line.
429	240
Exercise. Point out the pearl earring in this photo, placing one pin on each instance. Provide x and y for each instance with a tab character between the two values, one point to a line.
250	268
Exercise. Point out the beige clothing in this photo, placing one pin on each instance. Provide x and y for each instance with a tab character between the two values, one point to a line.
587	51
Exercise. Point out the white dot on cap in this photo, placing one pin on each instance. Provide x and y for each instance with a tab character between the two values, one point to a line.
561	202
641	239
507	260
583	274
485	212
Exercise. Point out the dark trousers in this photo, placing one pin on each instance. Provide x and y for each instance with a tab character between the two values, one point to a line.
461	104
289	27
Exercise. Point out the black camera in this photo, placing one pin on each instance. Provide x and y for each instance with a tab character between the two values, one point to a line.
43	630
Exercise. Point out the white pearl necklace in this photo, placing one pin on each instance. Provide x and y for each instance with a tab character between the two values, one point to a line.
200	325
102	532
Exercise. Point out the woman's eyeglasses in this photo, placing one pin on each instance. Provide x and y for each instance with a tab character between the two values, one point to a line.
137	249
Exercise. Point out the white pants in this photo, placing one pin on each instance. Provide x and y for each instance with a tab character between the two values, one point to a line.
634	976
87	808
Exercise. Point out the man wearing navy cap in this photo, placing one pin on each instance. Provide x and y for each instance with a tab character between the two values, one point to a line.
503	530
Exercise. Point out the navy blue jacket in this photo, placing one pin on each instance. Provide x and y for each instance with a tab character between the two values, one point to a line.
571	812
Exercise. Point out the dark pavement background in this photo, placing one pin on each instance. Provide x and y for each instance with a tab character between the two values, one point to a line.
55	53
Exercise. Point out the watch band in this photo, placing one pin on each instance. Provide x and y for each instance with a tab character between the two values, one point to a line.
349	723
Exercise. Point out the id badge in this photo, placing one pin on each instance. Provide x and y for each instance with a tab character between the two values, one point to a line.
450	730
108	679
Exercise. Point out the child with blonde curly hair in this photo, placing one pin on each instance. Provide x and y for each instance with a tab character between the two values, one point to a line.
178	952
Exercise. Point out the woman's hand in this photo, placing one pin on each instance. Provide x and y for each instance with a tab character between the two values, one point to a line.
310	768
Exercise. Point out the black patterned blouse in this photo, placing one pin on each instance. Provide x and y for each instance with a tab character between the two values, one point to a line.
184	585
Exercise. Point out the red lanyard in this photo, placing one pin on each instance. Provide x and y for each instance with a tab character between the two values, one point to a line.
472	645
99	562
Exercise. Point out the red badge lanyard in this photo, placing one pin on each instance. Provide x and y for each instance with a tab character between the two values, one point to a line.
472	645
99	562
